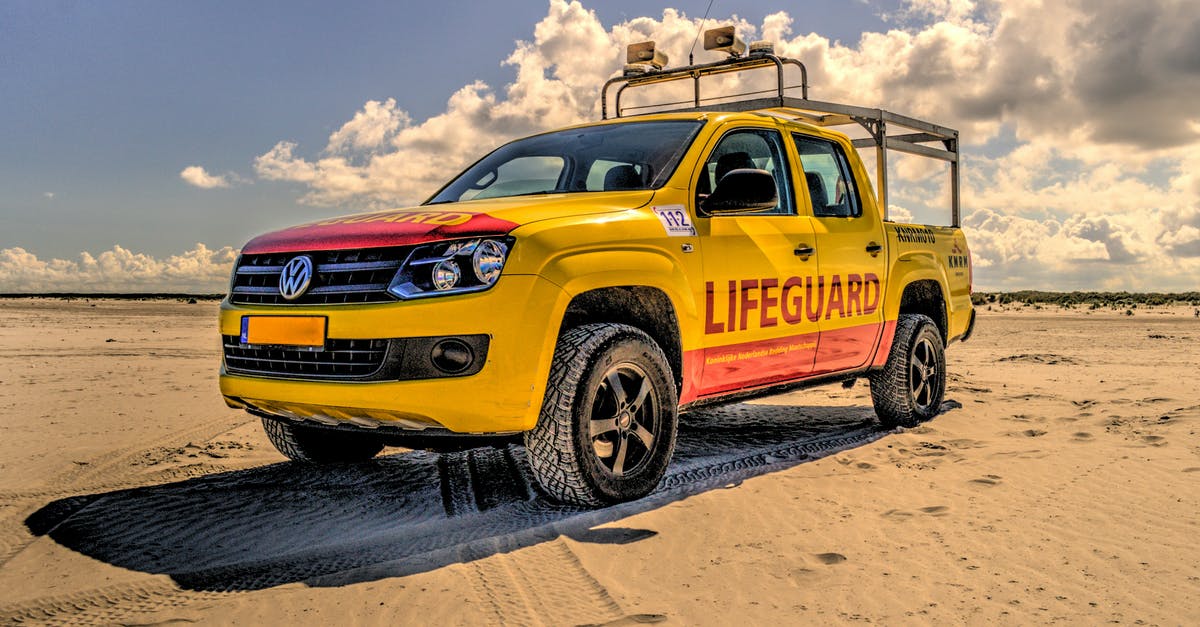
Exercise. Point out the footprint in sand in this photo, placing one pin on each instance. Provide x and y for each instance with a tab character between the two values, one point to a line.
936	510
1154	440
864	466
830	558
1082	436
899	514
987	481
1192	469
929	449
1033	433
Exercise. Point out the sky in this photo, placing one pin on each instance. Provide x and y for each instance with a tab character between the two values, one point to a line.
142	143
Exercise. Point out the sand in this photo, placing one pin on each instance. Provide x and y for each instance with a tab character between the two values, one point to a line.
1061	484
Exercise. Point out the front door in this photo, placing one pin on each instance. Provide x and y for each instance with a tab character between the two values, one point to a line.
758	271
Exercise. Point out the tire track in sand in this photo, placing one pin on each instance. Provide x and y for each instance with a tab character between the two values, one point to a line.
391	517
102	606
545	585
365	521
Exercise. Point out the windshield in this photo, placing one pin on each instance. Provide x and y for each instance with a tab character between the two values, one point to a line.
635	155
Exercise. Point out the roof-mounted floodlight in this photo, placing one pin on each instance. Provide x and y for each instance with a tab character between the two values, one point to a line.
724	39
645	53
759	48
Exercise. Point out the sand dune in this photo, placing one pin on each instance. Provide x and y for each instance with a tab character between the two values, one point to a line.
1061	483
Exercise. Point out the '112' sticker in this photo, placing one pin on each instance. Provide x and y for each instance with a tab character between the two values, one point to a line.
675	220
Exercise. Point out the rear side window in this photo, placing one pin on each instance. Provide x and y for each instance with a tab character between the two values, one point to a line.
827	174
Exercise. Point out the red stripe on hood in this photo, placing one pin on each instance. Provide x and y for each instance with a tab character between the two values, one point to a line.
375	230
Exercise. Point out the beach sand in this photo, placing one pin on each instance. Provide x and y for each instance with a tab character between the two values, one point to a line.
1061	484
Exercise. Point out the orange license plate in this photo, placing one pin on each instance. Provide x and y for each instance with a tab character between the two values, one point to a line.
284	330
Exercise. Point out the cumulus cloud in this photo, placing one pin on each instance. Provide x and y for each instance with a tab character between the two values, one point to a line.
200	270
199	177
1098	189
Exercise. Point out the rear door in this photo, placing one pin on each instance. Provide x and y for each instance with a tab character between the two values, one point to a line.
851	257
756	329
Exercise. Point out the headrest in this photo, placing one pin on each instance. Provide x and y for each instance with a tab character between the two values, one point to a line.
622	177
816	191
729	162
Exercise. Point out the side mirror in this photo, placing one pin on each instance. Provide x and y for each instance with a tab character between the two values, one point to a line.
742	191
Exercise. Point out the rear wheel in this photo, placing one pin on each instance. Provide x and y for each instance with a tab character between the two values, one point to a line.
911	386
319	446
607	427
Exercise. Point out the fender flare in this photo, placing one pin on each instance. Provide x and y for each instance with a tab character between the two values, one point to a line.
909	268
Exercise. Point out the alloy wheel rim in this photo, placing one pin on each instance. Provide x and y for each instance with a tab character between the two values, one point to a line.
623	420
923	374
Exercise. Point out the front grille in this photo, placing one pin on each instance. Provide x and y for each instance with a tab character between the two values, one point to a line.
340	277
341	359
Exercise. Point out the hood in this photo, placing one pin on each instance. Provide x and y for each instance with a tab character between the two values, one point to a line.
429	223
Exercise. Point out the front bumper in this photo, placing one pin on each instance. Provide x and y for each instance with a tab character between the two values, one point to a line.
520	315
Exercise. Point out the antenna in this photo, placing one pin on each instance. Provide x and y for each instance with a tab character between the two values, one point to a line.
691	60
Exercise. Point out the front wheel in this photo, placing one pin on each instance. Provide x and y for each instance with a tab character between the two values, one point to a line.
911	385
607	426
303	443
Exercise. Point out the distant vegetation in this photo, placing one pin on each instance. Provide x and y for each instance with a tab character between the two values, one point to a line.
1087	300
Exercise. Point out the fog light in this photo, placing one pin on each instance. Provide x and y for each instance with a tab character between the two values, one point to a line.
452	356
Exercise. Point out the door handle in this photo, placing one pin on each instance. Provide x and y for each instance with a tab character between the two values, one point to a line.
804	251
874	248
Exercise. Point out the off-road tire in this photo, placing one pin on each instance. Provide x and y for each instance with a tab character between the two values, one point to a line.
917	356
319	446
566	450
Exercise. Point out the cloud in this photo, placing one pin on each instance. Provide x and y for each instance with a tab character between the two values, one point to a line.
1081	136
197	176
48	195
200	270
369	130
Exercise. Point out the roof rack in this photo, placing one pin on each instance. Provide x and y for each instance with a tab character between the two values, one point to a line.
826	114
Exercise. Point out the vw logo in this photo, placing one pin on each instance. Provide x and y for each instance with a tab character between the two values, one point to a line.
295	278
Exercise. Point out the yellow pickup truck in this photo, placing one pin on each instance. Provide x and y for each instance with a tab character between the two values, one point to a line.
583	287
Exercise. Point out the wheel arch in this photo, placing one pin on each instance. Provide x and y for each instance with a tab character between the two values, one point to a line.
926	296
647	308
918	285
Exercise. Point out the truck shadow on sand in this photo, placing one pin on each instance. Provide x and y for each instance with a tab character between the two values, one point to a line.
411	512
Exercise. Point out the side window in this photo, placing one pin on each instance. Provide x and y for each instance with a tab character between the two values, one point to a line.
827	174
757	149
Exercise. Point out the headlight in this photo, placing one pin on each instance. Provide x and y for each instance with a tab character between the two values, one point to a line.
457	267
487	260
